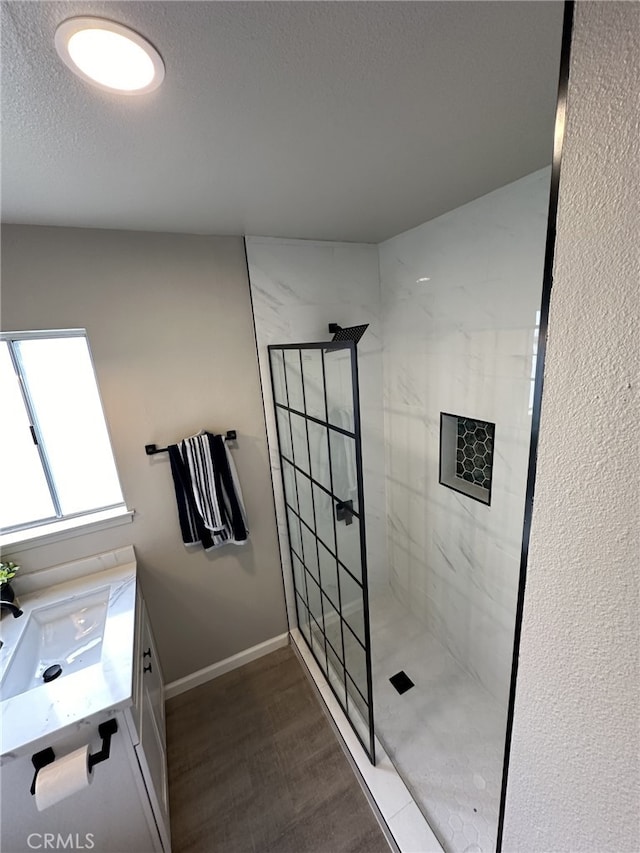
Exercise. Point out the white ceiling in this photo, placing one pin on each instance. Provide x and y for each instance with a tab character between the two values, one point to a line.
328	120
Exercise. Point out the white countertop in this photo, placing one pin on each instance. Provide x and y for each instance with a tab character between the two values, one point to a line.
33	720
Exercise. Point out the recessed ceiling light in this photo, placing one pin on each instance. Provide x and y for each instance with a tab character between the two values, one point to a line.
109	55
422	280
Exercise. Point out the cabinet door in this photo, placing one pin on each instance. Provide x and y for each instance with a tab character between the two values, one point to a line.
152	680
152	747
133	715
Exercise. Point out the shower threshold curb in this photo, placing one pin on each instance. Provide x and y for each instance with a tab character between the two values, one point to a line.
402	822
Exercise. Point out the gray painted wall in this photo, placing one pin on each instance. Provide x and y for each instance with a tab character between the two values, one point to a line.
169	322
574	777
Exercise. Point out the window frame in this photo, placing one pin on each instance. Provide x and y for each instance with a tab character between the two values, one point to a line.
84	516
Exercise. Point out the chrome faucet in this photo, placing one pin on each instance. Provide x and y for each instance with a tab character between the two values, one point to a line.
12	607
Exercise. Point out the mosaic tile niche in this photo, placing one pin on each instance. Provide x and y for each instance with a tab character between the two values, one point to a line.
474	455
466	455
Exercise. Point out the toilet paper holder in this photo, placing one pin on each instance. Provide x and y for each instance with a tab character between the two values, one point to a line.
47	756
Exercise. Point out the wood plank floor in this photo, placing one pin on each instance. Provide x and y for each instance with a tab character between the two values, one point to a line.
254	766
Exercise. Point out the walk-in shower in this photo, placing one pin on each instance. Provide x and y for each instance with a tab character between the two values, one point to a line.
410	609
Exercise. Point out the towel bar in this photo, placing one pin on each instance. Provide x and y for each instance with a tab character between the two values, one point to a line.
151	449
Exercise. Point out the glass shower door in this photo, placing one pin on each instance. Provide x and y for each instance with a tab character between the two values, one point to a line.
316	401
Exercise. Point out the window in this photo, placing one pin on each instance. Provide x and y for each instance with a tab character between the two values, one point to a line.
56	461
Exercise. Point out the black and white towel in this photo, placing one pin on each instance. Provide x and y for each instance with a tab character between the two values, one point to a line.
210	506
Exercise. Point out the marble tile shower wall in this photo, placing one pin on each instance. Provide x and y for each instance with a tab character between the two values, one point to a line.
298	287
459	301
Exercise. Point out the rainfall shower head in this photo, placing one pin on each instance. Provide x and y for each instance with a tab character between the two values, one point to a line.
351	333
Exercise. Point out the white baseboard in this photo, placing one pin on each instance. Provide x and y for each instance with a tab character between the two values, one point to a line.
226	665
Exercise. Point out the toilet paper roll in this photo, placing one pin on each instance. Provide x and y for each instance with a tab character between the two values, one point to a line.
63	778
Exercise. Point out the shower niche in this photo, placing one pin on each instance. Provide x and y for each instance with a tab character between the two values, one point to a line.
466	455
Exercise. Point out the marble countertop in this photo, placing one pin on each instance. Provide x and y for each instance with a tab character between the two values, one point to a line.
37	717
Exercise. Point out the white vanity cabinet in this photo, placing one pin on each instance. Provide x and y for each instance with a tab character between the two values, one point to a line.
124	808
146	722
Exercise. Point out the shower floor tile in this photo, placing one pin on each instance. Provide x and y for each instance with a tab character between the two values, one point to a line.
445	735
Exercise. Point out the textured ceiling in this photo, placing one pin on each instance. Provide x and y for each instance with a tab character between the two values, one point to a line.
327	120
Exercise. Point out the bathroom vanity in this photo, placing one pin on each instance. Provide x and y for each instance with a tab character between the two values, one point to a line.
89	619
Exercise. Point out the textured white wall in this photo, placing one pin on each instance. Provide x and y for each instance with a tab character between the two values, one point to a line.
575	768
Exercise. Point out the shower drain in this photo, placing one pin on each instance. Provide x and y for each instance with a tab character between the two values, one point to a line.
401	682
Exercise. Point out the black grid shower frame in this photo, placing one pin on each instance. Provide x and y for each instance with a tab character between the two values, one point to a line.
306	593
343	622
300	520
334	553
313	512
305	601
357	427
354	512
332	550
363	584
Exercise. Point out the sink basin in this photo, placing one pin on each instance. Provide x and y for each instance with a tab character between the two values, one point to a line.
58	639
79	623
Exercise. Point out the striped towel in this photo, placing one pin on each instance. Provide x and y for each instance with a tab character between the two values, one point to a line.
210	506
